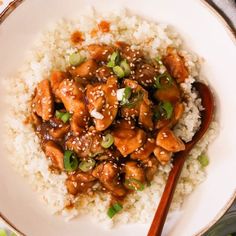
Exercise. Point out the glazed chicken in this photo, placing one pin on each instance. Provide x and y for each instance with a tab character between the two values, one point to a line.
107	121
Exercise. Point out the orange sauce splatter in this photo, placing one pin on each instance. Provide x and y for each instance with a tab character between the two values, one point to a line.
77	37
104	26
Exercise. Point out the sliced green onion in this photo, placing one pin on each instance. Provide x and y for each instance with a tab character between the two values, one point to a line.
114	59
107	141
158	81
203	159
76	59
135	99
115	56
134	184
64	116
70	161
59	114
87	165
125	66
168	108
111	64
119	71
158	60
126	96
3	232
111	212
117	207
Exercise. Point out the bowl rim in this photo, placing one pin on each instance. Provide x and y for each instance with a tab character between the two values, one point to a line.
225	21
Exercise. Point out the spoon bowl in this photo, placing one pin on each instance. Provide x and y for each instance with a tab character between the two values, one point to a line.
179	159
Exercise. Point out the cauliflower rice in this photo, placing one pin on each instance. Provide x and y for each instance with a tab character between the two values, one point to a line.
51	52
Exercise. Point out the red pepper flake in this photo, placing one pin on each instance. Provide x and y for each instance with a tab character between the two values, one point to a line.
104	26
77	37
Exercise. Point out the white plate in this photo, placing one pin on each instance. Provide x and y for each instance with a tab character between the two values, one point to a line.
205	33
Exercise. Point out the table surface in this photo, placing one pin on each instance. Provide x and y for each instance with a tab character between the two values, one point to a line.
228	7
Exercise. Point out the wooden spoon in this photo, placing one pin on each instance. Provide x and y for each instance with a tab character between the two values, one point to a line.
179	159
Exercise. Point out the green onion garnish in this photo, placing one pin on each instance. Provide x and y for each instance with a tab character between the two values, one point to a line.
87	165
125	66
203	159
119	71
70	161
114	59
134	184
3	232
75	59
159	61
168	108
64	116
126	96
111	212
111	64
160	84
59	114
134	99
114	209
107	141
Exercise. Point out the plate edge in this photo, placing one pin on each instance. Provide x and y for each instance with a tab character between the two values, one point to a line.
232	32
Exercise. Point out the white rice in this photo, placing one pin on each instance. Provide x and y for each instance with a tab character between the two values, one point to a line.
51	52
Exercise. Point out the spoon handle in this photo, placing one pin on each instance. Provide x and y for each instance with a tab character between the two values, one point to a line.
167	196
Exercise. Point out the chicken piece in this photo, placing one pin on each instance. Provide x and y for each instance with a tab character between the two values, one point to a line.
178	111
86	71
131	55
163	123
58	133
127	139
170	93
162	155
145	151
55	153
175	65
103	73
79	182
151	168
130	111
106	95
134	171
177	114
108	174
43	103
167	140
145	73
142	107
73	99
100	52
35	120
87	144
145	115
56	78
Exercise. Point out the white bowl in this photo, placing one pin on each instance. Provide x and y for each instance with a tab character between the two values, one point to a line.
204	32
